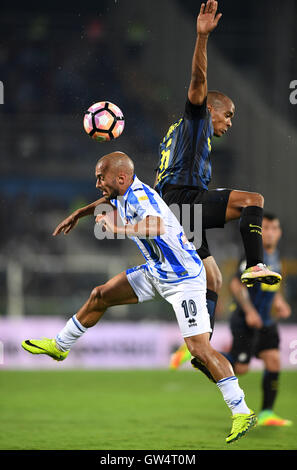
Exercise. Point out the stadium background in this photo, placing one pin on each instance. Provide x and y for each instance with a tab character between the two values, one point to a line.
54	63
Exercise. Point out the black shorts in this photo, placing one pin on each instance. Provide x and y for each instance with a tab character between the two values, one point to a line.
214	205
249	342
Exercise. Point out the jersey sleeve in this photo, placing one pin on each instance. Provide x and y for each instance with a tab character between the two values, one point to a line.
114	203
193	111
144	203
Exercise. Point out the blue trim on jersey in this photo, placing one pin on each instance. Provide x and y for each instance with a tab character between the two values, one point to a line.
165	259
177	267
131	199
154	257
146	268
114	202
193	253
136	268
182	279
151	197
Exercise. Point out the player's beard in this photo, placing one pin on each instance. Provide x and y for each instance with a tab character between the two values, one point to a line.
113	195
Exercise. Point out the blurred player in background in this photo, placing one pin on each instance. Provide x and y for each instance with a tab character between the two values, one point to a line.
253	328
173	270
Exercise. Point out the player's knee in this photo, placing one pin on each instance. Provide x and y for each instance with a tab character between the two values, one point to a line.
272	362
241	369
97	297
254	199
200	352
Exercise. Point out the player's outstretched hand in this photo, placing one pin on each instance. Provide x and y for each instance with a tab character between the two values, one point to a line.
208	18
66	225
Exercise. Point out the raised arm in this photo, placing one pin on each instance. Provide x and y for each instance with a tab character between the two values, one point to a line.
72	220
283	309
207	21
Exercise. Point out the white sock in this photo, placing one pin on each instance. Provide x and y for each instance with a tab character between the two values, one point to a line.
233	395
71	332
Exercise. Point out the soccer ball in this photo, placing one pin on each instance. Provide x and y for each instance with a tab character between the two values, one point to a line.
104	121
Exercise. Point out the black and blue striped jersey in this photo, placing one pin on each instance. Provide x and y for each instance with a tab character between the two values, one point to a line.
184	154
262	295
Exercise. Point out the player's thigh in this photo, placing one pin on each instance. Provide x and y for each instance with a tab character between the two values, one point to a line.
213	274
242	348
267	347
141	283
214	208
118	291
240	199
189	303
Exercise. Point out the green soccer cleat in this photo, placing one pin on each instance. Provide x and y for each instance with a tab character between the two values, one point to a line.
44	346
269	418
242	423
179	357
260	273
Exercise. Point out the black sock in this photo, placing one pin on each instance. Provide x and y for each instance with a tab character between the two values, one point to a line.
211	302
250	225
269	387
199	365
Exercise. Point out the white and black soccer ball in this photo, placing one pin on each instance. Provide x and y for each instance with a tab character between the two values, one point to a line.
104	121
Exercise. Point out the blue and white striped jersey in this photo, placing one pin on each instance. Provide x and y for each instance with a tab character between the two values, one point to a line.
169	257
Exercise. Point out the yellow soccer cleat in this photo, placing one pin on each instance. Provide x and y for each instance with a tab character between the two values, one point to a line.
242	423
269	418
180	356
260	273
44	346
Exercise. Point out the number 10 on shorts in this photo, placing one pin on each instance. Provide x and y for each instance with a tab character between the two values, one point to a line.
189	308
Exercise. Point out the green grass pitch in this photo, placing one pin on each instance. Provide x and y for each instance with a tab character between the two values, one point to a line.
156	410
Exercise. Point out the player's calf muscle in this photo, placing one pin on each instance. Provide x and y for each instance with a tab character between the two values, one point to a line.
93	309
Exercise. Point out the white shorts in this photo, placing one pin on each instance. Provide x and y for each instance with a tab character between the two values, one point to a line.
187	297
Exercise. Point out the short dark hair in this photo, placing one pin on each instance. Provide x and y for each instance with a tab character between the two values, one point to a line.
216	98
270	216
